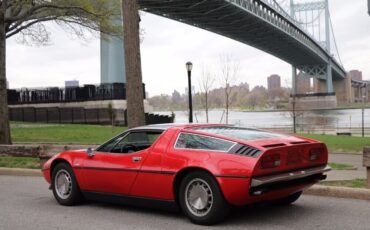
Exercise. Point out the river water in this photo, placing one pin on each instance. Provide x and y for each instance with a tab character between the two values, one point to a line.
314	120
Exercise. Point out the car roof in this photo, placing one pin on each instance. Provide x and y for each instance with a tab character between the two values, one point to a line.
157	126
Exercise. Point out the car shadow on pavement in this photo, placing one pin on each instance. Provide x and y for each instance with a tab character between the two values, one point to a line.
254	215
258	214
135	209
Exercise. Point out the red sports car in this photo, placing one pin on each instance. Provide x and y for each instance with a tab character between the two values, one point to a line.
203	169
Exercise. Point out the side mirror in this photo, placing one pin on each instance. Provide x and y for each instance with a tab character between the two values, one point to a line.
90	152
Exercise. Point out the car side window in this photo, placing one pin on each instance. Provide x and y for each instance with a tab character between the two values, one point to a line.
108	146
194	141
136	141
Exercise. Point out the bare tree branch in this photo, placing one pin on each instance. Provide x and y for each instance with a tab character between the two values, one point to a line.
17	30
229	71
205	85
25	14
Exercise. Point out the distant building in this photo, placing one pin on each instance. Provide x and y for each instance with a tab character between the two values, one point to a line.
72	84
244	86
356	75
273	82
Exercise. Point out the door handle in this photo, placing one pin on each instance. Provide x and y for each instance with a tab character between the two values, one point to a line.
136	159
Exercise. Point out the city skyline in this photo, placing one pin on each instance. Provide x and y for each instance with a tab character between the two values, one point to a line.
167	46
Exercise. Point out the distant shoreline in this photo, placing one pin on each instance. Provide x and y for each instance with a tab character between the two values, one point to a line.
265	111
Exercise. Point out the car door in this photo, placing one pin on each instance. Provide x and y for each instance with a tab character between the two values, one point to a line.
114	166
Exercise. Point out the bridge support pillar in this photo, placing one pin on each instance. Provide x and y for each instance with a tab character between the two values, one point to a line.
294	80
319	86
343	90
329	79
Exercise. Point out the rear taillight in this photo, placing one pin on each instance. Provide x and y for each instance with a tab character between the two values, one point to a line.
270	161
316	154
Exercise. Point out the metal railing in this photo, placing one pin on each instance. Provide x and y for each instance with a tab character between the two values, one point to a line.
108	91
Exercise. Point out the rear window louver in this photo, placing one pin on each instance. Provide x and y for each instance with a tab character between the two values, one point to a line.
245	150
274	145
299	142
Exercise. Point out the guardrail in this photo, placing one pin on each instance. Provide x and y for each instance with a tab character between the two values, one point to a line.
108	91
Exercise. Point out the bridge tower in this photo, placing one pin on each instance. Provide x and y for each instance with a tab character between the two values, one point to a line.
314	18
112	56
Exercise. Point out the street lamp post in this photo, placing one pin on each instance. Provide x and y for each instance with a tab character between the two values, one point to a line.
189	67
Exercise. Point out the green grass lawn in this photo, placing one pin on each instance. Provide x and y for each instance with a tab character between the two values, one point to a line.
341	143
96	134
337	166
356	183
62	133
20	162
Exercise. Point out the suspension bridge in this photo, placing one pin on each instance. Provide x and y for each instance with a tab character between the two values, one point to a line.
299	32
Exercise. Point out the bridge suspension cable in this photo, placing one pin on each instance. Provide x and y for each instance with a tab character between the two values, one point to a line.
335	40
308	15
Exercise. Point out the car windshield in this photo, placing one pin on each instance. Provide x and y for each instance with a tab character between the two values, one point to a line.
239	133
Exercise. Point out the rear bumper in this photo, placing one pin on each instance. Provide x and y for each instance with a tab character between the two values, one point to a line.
261	185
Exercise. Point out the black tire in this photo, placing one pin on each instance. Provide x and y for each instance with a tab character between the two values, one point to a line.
290	199
211	213
72	194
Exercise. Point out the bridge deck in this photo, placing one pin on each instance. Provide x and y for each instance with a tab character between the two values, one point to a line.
253	24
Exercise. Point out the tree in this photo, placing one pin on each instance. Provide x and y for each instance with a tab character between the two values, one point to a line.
134	89
229	72
26	19
176	98
161	102
205	85
112	114
257	97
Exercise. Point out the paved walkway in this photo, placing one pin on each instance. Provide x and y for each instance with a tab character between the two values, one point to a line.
350	159
26	203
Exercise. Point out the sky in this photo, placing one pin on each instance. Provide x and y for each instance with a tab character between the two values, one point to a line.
168	45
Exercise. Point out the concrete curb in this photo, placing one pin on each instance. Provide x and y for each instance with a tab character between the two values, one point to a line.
339	192
20	172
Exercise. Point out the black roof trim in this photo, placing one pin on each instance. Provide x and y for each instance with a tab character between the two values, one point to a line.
157	126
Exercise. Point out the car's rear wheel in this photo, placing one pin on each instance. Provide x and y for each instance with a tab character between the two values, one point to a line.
201	198
289	199
64	185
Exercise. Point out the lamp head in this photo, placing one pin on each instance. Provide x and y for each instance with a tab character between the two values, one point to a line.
189	66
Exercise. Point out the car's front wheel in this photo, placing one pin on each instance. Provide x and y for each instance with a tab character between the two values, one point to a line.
64	185
201	199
